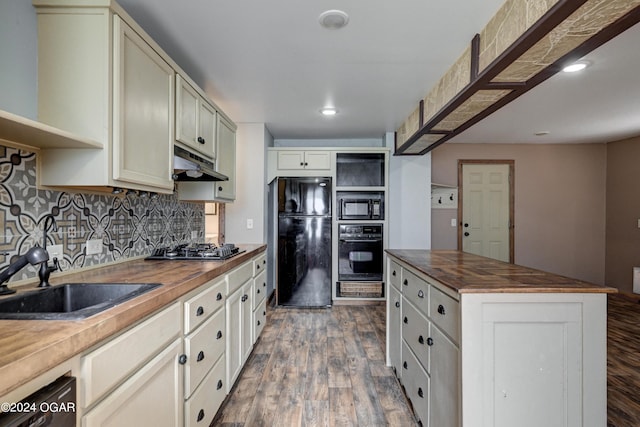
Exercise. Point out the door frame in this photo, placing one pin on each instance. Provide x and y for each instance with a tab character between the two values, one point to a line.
511	164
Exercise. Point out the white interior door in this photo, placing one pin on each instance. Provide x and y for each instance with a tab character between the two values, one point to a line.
486	210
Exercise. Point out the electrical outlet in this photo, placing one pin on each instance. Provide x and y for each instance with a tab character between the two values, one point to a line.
55	251
94	246
249	223
454	222
194	234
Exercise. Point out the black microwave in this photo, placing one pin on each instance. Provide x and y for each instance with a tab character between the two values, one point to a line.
352	205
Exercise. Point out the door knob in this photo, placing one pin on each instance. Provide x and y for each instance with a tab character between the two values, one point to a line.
466	233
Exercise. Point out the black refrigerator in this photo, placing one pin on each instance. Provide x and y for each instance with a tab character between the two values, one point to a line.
304	242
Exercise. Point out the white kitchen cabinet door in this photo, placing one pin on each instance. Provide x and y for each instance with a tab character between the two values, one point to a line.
226	160
247	321
445	381
234	337
195	119
297	160
144	111
151	397
395	325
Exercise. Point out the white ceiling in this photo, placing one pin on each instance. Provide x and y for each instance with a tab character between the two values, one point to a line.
271	62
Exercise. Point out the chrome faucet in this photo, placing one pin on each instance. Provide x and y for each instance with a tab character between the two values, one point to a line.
34	256
45	269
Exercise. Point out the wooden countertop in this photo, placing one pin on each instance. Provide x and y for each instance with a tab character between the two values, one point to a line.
468	273
28	348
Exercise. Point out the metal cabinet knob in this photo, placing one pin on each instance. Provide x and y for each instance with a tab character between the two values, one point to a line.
406	320
219	296
398	304
219	385
420	293
441	309
200	311
200	415
200	357
219	335
420	339
405	282
182	359
201	140
404	364
429	341
466	233
420	392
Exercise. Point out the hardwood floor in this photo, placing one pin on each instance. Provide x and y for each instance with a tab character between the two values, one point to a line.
326	367
623	361
318	367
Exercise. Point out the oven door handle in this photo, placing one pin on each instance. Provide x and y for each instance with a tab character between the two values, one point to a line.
361	241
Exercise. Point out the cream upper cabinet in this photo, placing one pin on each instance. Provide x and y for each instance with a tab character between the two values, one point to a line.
195	119
143	85
101	77
217	191
226	161
316	160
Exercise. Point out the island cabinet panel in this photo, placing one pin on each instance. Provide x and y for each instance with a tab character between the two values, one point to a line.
481	354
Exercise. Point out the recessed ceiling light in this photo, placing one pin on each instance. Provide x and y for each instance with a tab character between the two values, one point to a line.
333	19
576	66
329	111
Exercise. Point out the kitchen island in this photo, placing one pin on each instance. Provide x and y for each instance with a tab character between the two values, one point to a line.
480	342
35	351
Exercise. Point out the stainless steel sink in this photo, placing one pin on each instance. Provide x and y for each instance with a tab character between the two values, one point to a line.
70	301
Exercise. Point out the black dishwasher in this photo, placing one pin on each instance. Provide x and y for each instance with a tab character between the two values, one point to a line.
53	405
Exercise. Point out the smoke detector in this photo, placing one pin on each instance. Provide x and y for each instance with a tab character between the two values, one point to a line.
333	19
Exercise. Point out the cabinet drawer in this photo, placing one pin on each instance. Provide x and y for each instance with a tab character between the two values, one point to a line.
415	290
445	313
416	384
259	289
394	275
205	303
203	347
259	264
259	319
416	333
113	362
239	276
205	402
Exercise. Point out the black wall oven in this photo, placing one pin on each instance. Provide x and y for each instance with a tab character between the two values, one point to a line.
360	251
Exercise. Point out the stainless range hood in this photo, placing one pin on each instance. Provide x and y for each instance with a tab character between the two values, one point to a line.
188	166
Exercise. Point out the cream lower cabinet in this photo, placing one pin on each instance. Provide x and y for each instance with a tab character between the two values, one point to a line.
394	319
137	369
498	359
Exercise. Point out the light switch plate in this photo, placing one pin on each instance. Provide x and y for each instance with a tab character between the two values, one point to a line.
249	223
94	246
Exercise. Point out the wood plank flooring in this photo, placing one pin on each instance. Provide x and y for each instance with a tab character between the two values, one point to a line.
623	361
326	367
318	367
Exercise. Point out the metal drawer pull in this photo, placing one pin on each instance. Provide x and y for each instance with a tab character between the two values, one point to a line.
420	294
219	296
200	415
219	386
420	393
219	335
200	356
200	311
429	341
441	309
398	304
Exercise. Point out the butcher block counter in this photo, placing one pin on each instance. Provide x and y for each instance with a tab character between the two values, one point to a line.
480	342
468	273
29	348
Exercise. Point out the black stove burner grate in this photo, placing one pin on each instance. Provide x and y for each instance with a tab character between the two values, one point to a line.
196	252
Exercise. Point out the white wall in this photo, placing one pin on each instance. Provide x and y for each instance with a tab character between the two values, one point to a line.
18	58
409	200
251	188
354	142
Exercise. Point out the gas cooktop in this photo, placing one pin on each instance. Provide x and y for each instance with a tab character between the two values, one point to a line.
196	252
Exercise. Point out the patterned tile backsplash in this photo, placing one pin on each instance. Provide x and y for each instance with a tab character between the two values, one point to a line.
128	225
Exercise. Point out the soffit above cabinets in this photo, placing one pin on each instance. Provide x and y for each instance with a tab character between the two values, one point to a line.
27	132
